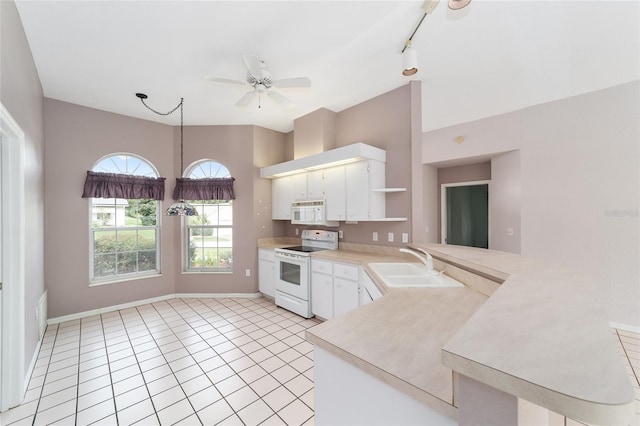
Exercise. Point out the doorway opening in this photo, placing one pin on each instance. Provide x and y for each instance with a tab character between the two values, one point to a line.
12	319
465	214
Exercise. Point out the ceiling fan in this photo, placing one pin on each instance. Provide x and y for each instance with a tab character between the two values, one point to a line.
260	79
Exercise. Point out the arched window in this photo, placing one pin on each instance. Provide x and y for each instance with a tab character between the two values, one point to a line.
209	236
124	233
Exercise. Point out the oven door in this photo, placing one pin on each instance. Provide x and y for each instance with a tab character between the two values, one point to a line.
292	275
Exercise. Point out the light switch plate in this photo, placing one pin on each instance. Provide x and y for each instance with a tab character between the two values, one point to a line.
340	234
405	237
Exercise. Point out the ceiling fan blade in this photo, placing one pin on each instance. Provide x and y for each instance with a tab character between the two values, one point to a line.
283	101
253	64
246	99
224	80
292	82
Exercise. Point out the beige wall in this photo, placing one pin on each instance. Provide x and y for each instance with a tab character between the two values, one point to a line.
314	133
579	192
505	203
77	137
269	148
232	146
21	95
384	122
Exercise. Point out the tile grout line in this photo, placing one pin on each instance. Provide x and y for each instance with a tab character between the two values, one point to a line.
193	318
106	351
135	354
211	347
626	354
75	417
296	397
53	345
166	361
226	363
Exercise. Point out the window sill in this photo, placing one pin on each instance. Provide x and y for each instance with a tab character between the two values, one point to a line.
124	279
224	272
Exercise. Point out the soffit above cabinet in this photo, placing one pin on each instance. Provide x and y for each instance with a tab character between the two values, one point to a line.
335	157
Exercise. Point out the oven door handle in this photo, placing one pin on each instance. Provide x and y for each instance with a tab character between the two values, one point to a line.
291	259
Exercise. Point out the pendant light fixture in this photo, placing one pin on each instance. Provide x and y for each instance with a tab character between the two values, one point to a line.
409	60
409	53
181	208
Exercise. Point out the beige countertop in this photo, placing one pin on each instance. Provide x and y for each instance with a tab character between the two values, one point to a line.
542	336
274	243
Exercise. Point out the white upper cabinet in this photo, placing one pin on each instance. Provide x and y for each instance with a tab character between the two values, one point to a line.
335	193
308	186
362	179
281	198
299	185
352	192
316	185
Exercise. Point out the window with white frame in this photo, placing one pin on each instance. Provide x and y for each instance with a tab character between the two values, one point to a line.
124	233
209	236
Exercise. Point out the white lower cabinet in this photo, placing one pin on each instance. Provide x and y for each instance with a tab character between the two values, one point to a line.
345	288
322	295
345	296
267	272
322	288
334	288
368	290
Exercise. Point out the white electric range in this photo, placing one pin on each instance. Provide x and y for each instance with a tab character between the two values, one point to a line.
293	271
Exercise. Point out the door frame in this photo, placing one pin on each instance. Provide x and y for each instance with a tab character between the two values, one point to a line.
12	343
443	206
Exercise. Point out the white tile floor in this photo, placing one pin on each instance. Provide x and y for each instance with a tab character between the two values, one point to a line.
182	361
190	361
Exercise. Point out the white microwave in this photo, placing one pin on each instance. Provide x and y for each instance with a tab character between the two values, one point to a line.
310	212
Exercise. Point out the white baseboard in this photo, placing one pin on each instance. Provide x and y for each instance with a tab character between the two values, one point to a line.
42	314
217	295
32	365
128	305
625	327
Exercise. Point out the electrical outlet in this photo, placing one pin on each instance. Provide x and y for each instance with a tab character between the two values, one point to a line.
405	237
247	272
510	232
390	237
340	233
297	231
375	236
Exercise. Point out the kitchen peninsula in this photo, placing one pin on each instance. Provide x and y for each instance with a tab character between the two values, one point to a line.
476	354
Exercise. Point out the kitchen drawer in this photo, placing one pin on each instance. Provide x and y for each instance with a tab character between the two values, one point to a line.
348	272
266	254
321	266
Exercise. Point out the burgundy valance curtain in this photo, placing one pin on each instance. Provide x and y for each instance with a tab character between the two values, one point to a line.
204	189
112	185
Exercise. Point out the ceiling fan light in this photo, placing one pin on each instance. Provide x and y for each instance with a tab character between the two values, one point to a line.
429	5
409	61
458	4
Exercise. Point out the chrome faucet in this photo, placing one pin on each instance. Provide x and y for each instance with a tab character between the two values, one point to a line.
428	261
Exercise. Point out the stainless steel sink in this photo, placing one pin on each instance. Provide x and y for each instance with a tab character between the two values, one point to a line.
411	275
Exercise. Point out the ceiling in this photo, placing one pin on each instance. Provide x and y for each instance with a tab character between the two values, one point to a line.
489	58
